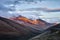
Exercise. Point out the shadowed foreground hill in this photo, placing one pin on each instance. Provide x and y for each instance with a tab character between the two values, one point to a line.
11	30
54	34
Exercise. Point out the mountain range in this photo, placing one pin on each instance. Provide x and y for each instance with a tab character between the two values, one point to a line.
15	29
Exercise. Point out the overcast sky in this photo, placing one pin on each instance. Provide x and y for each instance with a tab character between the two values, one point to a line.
48	10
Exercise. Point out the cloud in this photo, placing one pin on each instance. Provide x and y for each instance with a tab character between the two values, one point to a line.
43	9
31	0
2	8
53	10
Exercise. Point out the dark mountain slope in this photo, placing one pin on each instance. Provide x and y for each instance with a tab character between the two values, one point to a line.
11	30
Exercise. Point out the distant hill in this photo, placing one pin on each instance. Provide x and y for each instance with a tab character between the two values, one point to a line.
38	24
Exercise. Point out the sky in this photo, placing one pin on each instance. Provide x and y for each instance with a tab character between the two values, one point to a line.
48	10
